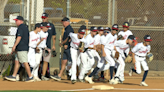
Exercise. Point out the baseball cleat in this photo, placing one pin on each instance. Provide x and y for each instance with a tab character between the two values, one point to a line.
73	81
111	81
10	78
37	79
17	77
57	78
81	80
29	80
130	72
143	84
44	78
89	79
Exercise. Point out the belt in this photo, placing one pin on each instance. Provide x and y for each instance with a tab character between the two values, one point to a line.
74	48
32	47
140	56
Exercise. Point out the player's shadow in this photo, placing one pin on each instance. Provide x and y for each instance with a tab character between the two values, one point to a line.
129	84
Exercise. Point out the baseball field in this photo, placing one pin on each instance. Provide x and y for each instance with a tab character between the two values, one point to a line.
131	84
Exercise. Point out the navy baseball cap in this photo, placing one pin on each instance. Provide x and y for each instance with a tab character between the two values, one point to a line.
46	24
147	38
132	37
125	25
81	31
19	18
94	29
65	19
100	29
83	27
44	15
38	25
115	27
107	30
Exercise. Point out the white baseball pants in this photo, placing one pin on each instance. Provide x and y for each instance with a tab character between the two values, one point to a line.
87	63
31	57
120	68
74	56
38	57
140	61
108	58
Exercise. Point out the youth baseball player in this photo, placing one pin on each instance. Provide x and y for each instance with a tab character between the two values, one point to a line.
139	53
87	56
121	46
107	48
41	45
33	40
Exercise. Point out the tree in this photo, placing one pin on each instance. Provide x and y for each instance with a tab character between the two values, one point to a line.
2	6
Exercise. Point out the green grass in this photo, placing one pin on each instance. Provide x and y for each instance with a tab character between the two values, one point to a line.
30	91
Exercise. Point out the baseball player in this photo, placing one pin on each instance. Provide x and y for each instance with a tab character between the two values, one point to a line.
87	58
126	32
33	40
41	45
107	48
139	53
121	46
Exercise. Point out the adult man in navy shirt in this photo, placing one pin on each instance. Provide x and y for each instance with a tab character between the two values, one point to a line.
51	34
21	48
66	54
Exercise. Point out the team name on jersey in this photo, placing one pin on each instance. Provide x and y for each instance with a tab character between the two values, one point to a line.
143	51
92	43
112	42
35	39
76	43
124	48
125	36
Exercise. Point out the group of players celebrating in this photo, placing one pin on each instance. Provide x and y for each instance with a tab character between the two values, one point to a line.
103	44
108	47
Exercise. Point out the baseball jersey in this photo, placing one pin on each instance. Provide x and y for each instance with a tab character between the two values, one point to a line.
89	41
75	41
125	34
141	50
97	39
43	35
121	46
33	39
108	42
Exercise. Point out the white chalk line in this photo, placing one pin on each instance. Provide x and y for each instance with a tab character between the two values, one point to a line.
113	89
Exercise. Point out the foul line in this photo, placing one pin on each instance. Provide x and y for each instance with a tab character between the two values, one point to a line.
112	89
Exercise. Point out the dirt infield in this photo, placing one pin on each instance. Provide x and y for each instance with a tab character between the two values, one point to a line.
129	85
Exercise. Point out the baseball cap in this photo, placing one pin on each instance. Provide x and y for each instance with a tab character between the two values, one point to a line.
44	15
46	24
115	27
65	19
94	29
125	24
100	28
147	38
132	37
19	18
81	31
83	27
38	25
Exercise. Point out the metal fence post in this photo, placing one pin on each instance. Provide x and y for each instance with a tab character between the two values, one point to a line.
29	16
109	12
68	2
113	12
35	7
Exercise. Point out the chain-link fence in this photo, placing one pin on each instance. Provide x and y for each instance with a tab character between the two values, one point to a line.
144	16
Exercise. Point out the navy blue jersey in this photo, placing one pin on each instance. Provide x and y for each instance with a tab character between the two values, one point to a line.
23	32
51	32
68	30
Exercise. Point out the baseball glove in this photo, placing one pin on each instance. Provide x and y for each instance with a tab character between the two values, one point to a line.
116	55
120	37
150	56
37	50
46	53
54	53
128	59
81	47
